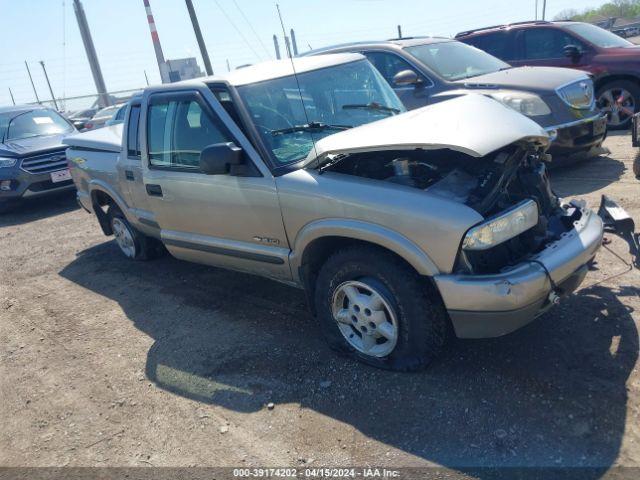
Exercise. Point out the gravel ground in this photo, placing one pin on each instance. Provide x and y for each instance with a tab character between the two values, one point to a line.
104	362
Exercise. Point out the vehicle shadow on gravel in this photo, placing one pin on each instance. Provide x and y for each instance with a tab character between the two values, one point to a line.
586	176
32	209
552	394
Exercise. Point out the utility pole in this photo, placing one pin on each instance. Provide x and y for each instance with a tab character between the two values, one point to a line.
12	99
146	78
164	77
276	46
544	8
53	97
536	15
294	43
196	29
399	31
32	84
90	49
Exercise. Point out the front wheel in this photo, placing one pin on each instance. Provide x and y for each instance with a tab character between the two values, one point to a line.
377	309
132	243
619	99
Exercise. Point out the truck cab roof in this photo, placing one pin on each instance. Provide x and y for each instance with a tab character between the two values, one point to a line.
273	69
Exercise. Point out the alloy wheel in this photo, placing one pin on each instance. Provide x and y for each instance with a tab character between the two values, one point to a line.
124	237
365	318
618	104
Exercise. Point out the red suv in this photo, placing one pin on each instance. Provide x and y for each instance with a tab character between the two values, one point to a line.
613	61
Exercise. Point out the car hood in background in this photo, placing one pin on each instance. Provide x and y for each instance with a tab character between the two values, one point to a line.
472	124
32	145
536	79
107	138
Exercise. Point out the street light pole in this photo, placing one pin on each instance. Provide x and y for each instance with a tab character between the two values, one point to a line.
200	40
32	84
53	97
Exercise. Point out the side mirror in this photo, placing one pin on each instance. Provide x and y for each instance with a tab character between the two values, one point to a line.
221	159
572	51
406	77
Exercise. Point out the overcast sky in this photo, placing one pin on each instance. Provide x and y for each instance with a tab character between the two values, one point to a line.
238	30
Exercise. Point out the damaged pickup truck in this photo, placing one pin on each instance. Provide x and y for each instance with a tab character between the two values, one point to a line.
401	227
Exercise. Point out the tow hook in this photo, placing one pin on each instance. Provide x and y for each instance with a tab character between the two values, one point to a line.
617	221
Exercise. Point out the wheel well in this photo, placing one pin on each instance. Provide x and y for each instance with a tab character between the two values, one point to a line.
602	81
317	253
101	202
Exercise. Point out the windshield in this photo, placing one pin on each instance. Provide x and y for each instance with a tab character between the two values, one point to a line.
598	36
33	123
334	98
456	60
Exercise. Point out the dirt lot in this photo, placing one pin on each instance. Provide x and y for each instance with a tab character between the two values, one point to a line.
106	362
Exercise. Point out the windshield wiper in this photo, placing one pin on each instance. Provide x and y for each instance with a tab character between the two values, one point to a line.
371	106
310	127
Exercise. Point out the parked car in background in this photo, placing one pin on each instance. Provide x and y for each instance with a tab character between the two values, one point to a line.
32	156
428	70
102	117
80	117
613	61
117	117
398	225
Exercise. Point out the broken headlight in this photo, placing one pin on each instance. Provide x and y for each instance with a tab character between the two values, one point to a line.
505	226
528	104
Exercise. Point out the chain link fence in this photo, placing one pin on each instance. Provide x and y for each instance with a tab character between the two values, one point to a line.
73	104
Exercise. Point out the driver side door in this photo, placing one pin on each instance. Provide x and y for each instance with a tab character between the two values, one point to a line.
223	220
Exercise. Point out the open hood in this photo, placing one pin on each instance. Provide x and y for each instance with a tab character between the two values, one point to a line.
472	124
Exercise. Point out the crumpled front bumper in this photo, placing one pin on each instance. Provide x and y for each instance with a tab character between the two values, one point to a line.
482	306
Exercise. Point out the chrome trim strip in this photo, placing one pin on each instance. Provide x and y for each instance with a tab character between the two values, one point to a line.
597	116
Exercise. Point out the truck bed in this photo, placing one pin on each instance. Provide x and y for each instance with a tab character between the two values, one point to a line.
107	138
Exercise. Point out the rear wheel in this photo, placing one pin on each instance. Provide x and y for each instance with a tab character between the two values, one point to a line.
377	309
132	243
619	99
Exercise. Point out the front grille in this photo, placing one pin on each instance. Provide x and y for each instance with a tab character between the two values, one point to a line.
45	163
578	94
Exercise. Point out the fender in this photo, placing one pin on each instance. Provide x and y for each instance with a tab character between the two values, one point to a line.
365	231
96	185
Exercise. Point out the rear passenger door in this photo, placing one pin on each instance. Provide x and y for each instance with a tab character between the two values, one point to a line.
131	175
223	220
544	46
389	64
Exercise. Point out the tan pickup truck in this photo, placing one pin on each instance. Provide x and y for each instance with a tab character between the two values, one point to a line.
402	227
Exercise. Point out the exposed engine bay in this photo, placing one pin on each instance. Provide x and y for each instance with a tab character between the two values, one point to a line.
490	185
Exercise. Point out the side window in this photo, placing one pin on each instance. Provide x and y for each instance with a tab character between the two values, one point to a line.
120	113
133	136
178	131
541	43
389	64
497	44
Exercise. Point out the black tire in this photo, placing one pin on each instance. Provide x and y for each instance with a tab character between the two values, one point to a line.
145	247
631	87
636	167
423	324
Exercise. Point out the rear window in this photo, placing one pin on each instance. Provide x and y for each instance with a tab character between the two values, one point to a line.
497	44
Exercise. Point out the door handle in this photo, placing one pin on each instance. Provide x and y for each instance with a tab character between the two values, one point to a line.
128	174
154	190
